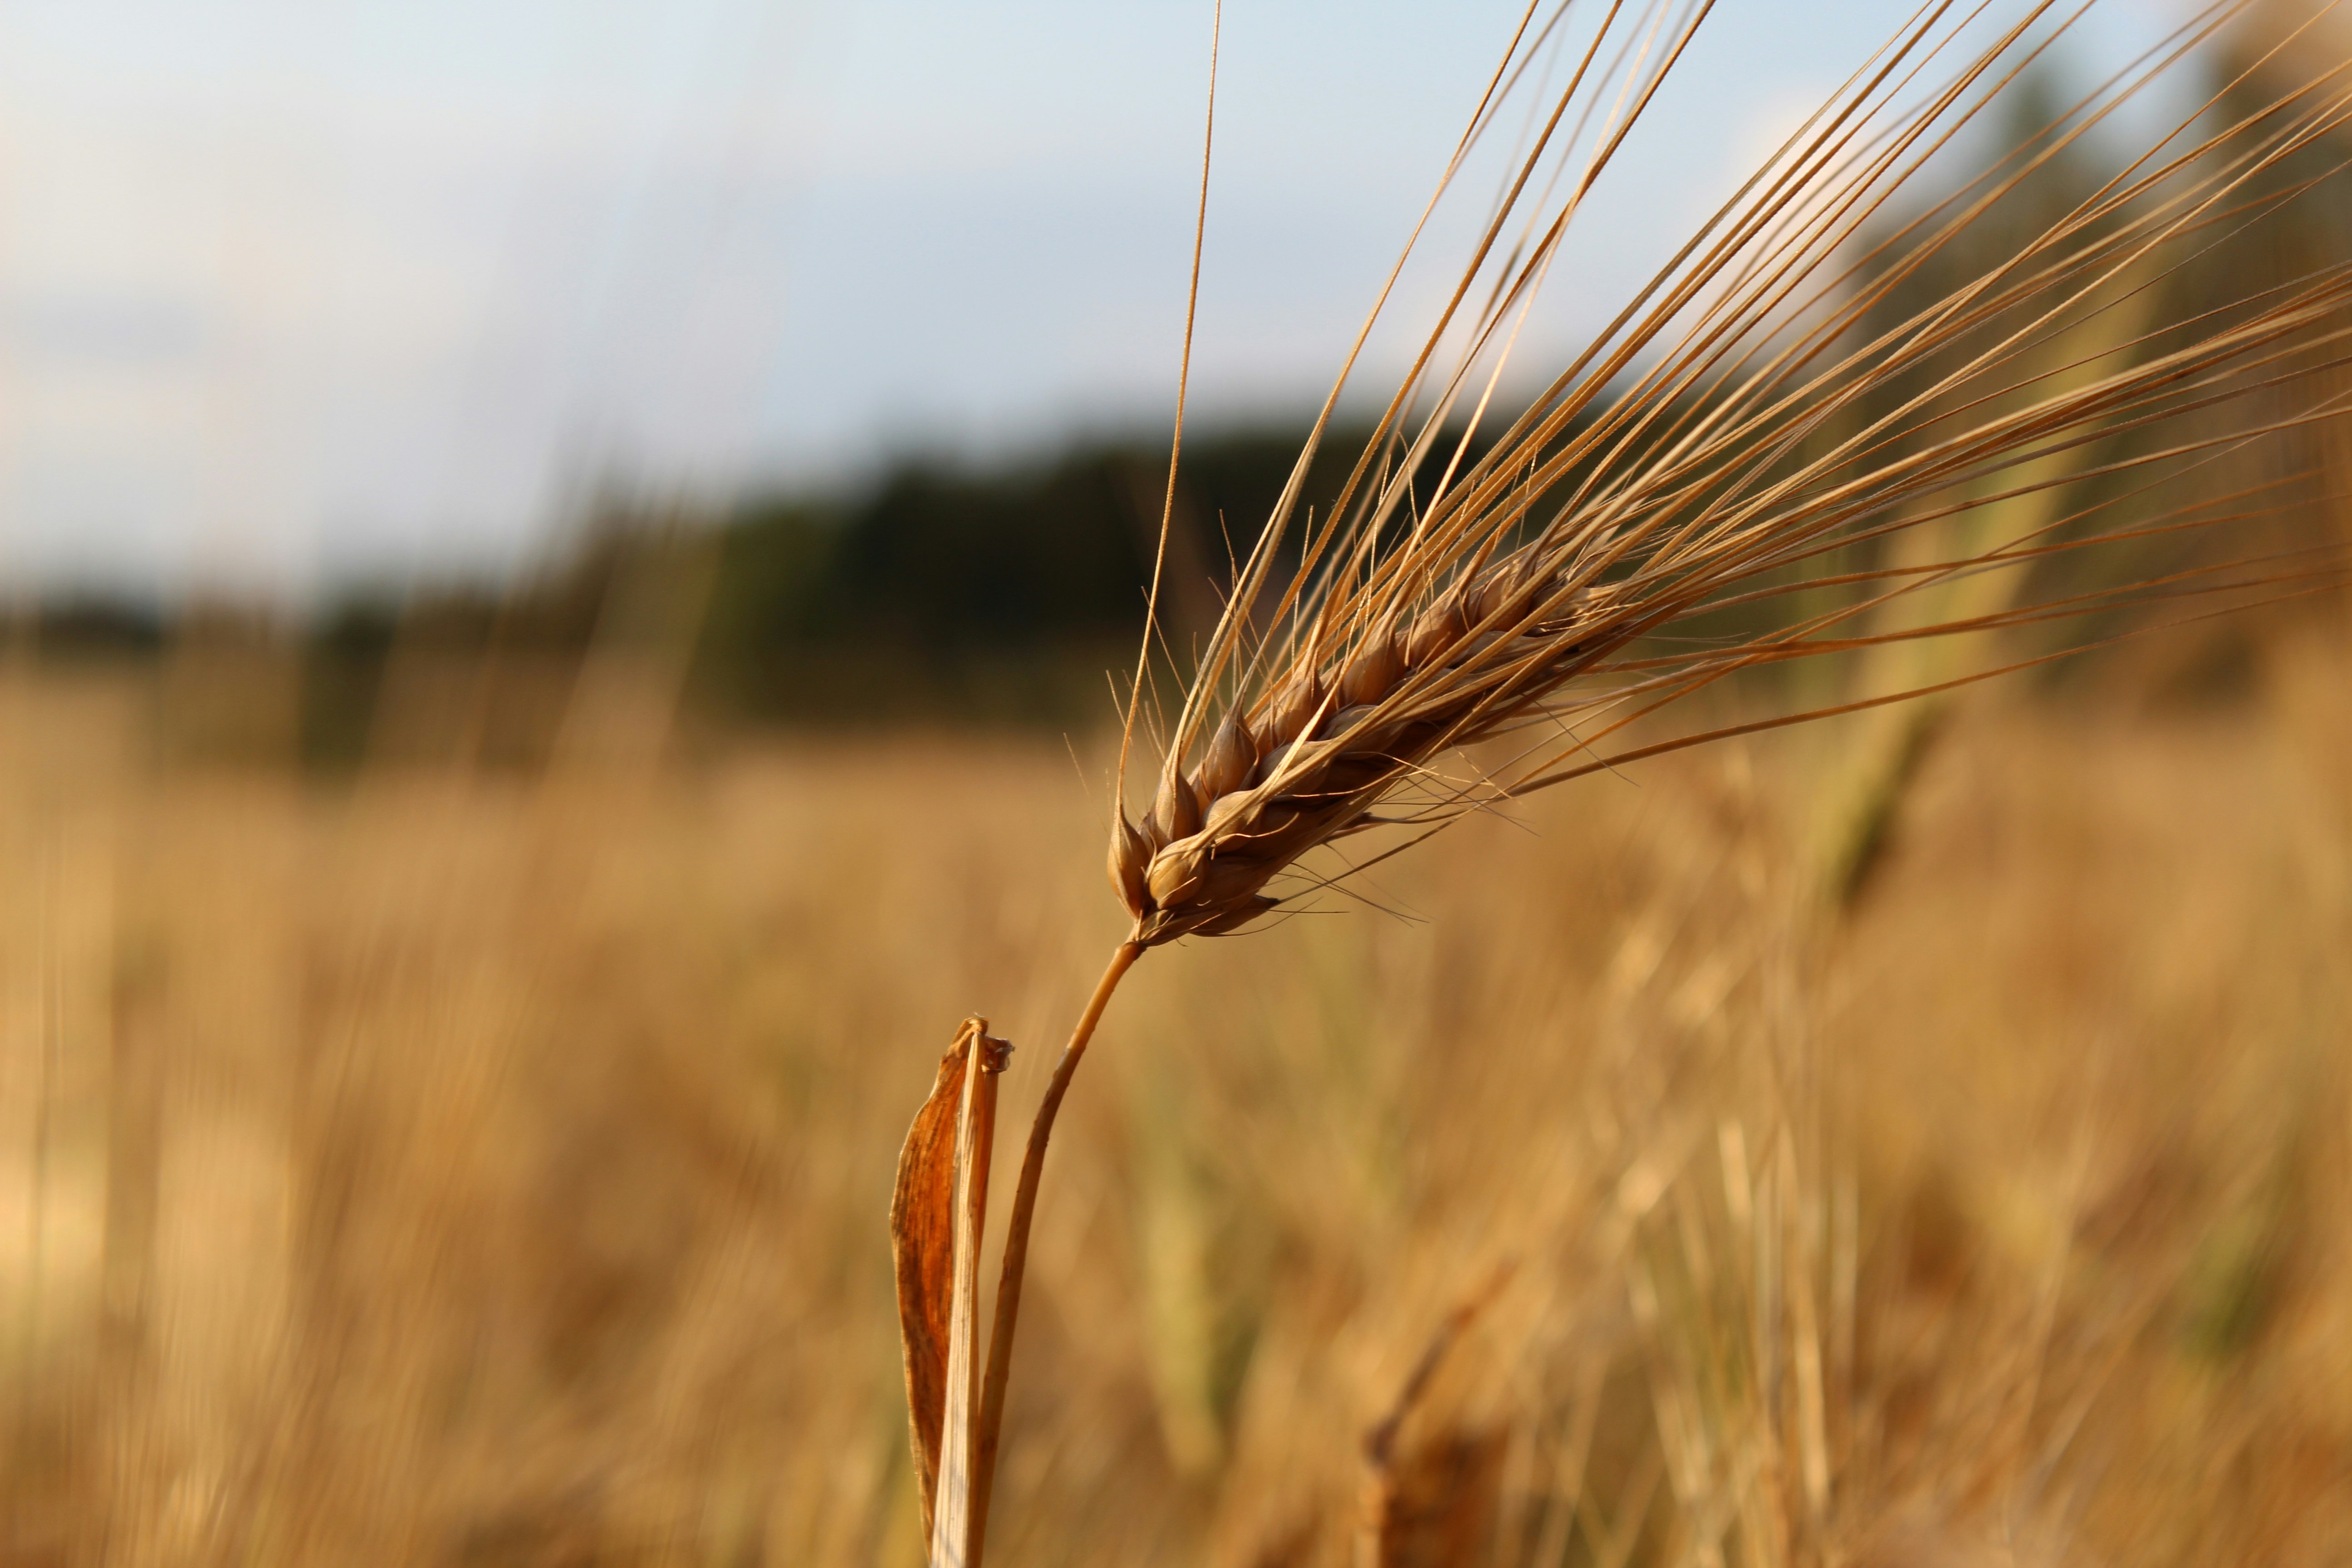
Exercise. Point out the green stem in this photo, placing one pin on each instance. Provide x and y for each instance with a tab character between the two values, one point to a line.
1016	1244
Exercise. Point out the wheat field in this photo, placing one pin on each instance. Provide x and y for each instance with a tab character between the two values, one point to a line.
488	1166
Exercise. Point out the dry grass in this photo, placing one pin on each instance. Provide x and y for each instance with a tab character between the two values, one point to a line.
483	1170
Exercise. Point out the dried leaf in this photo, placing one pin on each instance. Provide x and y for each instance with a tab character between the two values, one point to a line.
936	1212
922	1247
952	1528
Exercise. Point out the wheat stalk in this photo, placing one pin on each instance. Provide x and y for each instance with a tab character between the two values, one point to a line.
1725	442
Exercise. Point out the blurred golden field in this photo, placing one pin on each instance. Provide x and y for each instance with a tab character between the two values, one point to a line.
457	1165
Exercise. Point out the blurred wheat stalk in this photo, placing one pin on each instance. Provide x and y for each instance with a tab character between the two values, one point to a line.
1781	448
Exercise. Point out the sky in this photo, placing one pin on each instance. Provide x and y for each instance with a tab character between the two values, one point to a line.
294	294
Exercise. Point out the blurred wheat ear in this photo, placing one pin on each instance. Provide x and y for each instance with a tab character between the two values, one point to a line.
1771	453
1430	1502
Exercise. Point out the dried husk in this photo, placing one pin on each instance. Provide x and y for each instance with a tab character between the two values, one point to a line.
924	1208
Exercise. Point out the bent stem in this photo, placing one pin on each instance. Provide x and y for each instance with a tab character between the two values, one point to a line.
1016	1241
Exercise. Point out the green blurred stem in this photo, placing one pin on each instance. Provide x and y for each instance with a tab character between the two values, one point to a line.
1016	1243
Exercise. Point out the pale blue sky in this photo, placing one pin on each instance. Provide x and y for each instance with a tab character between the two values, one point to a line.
289	290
